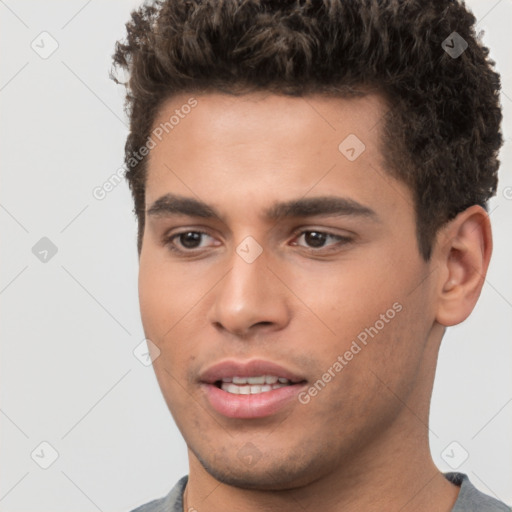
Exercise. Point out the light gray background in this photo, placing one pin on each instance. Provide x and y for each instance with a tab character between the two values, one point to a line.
69	326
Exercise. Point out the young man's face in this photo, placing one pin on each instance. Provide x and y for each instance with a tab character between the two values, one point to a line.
306	302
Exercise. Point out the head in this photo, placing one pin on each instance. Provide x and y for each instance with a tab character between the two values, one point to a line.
268	113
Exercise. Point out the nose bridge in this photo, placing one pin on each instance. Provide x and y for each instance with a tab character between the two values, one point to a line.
249	294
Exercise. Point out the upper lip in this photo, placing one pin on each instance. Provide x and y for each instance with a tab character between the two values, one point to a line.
251	368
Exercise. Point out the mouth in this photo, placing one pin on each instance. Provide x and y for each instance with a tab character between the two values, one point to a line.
250	389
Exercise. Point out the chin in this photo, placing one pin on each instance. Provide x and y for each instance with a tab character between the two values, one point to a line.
262	475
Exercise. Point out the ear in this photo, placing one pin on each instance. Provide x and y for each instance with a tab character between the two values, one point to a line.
462	253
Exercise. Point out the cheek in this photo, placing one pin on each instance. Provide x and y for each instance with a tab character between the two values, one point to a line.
373	354
173	300
364	312
165	294
164	303
153	298
348	296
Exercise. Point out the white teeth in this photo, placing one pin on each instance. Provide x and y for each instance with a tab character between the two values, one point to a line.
249	390
253	385
256	380
260	389
259	379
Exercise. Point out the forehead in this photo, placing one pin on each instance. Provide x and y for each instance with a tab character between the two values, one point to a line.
233	149
246	118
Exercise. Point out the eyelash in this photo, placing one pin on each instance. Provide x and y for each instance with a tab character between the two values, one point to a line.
168	241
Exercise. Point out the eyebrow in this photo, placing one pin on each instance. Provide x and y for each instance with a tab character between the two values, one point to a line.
335	206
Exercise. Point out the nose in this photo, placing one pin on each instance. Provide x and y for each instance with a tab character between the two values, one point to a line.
250	298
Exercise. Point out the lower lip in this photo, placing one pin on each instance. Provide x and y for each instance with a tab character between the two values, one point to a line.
250	406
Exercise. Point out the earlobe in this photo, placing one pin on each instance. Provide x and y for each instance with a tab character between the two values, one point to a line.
464	256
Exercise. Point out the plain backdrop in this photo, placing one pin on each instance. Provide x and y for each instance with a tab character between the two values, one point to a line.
68	285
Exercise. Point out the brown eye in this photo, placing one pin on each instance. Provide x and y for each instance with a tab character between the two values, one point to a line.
316	239
190	239
186	241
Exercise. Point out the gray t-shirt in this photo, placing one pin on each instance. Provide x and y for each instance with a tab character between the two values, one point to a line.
470	499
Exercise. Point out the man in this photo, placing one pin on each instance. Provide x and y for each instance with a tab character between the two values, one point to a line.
310	180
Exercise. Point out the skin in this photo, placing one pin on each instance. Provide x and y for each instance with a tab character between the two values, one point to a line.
362	442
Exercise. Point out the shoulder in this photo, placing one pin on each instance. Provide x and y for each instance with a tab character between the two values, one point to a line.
173	502
470	499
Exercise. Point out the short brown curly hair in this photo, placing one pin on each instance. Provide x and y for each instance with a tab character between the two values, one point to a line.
442	132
